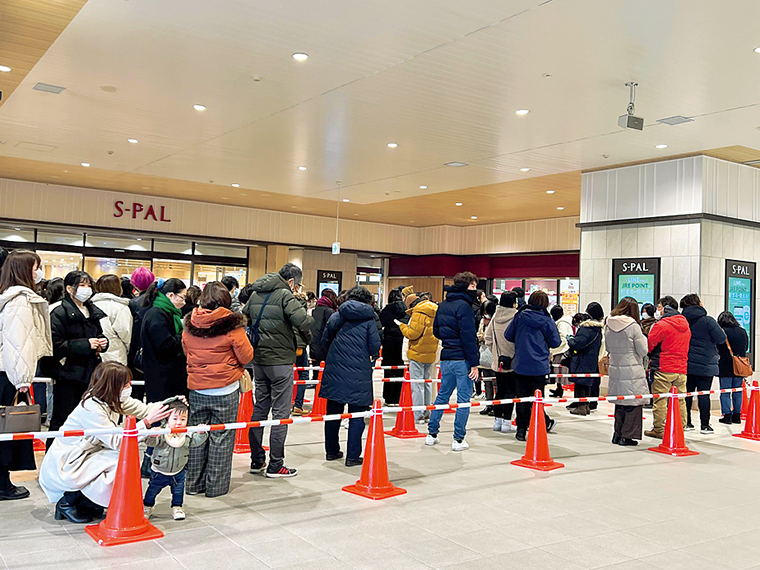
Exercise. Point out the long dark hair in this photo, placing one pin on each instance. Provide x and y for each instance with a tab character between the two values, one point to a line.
172	285
727	319
627	307
106	384
18	269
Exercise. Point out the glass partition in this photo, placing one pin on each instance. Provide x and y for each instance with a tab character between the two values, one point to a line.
99	266
205	273
58	264
168	268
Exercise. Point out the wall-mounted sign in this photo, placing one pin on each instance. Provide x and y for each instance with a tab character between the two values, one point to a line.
740	295
336	248
329	280
568	295
138	211
636	277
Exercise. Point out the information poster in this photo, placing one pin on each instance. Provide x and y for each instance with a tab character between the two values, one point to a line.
740	295
568	295
636	277
329	280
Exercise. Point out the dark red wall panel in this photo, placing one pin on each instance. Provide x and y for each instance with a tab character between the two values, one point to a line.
544	265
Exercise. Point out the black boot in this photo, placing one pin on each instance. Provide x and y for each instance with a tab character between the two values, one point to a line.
736	418
628	441
9	491
557	393
66	509
87	507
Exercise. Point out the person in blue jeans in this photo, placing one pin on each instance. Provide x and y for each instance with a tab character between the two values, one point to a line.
736	337
454	325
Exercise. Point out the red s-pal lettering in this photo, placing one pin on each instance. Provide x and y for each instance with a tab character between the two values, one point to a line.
136	209
119	211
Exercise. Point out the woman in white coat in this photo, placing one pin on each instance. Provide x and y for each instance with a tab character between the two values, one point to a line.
117	326
24	339
78	472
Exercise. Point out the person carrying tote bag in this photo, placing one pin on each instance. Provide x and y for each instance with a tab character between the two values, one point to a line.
25	337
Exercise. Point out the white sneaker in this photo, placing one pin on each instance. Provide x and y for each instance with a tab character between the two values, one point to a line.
147	511
178	514
344	423
507	427
420	421
431	440
459	445
497	424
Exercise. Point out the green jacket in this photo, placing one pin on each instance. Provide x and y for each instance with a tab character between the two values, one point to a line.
282	314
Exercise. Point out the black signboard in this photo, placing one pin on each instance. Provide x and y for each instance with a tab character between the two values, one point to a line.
740	297
329	280
637	277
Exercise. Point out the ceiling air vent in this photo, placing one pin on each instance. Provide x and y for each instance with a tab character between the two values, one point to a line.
677	120
47	88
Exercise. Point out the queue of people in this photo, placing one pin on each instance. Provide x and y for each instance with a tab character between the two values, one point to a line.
194	363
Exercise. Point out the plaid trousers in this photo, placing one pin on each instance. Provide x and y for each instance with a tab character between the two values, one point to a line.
209	466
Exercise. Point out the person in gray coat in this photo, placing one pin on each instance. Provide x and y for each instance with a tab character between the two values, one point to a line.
627	347
503	352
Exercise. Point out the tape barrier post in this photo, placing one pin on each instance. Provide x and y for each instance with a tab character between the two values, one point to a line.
745	402
537	454
752	423
374	482
245	412
38	444
405	427
319	408
125	522
673	442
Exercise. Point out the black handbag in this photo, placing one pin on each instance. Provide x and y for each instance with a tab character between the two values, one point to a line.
21	417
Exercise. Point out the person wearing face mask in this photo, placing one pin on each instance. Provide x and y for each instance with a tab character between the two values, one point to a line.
24	338
77	473
278	314
163	361
78	342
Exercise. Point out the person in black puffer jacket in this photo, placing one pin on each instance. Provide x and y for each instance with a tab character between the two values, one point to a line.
706	335
352	341
326	306
736	336
78	338
141	279
587	346
393	344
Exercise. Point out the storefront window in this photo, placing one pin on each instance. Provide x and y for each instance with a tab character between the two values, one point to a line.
168	268
549	286
126	243
502	285
221	250
57	264
163	246
99	266
205	273
16	234
61	238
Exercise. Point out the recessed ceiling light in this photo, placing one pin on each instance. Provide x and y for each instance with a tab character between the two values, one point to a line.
423	187
560	207
4	69
522	112
199	107
133	141
473	217
85	164
235	185
243	194
458	204
346	200
525	170
661	146
138	239
550	191
456	164
757	49
392	145
17	229
300	56
302	168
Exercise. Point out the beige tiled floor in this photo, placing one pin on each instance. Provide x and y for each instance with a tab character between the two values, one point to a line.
611	507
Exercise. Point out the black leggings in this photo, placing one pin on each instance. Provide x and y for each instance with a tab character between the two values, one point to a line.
506	388
526	387
693	383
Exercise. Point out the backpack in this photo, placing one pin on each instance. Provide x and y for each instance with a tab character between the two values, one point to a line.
252	331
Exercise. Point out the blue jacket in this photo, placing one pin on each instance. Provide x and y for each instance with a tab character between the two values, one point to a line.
706	335
533	331
454	325
351	339
586	345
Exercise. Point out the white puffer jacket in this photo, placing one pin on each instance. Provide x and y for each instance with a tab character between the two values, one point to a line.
24	334
117	326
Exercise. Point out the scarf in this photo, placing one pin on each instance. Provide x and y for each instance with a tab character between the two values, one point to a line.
163	303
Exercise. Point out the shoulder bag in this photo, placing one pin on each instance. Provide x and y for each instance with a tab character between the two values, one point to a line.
742	367
253	330
21	417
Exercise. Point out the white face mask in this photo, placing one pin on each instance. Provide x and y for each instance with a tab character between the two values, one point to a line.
83	293
38	275
126	394
657	315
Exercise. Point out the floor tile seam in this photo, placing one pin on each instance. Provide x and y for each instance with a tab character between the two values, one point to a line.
564	558
477	554
50	549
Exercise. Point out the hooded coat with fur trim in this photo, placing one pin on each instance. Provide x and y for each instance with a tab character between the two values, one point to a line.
216	347
587	345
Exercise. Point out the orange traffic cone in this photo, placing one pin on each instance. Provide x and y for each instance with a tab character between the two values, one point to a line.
125	522
319	407
673	442
537	449
405	428
245	411
374	482
745	402
38	444
752	423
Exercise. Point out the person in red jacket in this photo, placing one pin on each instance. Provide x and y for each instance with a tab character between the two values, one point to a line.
669	342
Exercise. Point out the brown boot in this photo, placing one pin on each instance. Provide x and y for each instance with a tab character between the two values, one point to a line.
652	433
581	410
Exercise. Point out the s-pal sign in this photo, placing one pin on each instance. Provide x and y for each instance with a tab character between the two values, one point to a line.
140	211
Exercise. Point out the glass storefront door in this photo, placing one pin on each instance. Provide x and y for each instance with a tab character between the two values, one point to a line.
58	264
168	268
205	273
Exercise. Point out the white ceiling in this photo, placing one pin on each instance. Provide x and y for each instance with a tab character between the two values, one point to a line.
442	78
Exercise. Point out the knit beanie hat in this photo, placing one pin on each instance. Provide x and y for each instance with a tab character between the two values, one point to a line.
409	290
